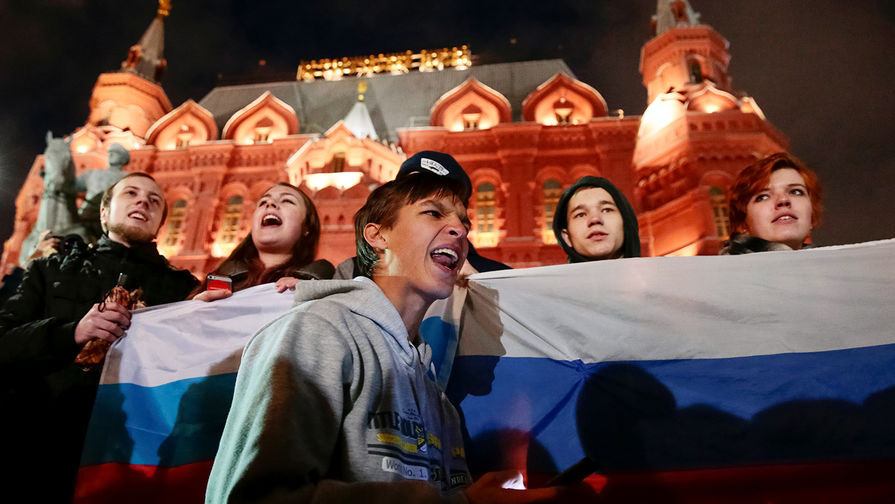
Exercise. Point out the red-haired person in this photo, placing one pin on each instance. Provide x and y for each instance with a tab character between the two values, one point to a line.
775	203
280	248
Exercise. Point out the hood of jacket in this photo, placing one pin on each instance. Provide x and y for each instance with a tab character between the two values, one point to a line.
364	298
631	245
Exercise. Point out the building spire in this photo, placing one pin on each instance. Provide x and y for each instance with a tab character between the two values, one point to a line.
358	119
146	58
361	89
673	13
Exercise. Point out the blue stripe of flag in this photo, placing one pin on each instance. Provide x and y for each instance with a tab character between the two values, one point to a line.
678	414
169	425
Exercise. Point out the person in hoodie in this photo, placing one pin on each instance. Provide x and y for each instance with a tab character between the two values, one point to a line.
775	204
55	311
594	221
333	400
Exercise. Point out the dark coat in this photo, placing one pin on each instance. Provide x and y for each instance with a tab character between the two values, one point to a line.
747	244
46	397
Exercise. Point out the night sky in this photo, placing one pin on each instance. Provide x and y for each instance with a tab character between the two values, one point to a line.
821	71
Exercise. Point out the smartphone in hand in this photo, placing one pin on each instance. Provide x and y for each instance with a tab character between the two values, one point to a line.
218	282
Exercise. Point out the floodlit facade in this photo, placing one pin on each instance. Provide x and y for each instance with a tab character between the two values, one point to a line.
523	131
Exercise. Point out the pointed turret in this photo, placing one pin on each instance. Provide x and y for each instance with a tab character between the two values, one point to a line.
146	58
682	52
358	119
673	13
692	115
132	99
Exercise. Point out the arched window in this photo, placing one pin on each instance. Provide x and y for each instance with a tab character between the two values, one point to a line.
471	115
485	224
262	130
679	10
695	72
562	110
228	237
552	192
338	162
720	212
184	136
174	229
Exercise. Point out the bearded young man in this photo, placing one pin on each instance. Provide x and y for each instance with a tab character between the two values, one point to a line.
55	312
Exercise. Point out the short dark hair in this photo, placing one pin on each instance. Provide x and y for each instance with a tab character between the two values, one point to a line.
753	178
106	200
386	201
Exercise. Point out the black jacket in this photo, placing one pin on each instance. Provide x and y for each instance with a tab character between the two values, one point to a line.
747	244
48	398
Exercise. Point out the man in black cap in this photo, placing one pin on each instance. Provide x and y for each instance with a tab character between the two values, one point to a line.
443	165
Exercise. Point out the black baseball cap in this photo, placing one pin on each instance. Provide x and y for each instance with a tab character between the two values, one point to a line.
437	163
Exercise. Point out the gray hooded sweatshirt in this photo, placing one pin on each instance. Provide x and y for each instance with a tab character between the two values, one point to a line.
333	404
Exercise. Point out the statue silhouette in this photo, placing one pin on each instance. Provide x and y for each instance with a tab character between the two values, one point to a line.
94	183
57	207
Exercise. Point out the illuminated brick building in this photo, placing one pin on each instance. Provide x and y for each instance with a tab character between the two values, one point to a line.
523	131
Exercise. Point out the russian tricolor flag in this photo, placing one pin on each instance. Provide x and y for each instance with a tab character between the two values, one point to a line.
164	396
702	379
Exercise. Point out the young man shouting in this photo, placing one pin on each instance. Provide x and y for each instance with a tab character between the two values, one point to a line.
332	401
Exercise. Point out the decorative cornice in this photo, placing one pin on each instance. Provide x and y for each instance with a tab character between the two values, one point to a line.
561	80
188	107
267	99
474	86
136	82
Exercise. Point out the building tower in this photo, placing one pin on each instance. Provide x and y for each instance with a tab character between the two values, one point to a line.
123	107
694	136
126	103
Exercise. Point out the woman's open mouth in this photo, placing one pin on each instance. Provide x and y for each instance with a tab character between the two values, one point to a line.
271	220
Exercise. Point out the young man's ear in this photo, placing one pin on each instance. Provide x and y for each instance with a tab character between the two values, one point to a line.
565	237
375	237
103	217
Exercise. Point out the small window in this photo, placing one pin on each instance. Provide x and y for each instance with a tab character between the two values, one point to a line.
228	236
562	111
184	136
262	130
230	222
174	229
485	223
679	10
720	211
338	162
471	116
552	192
695	72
